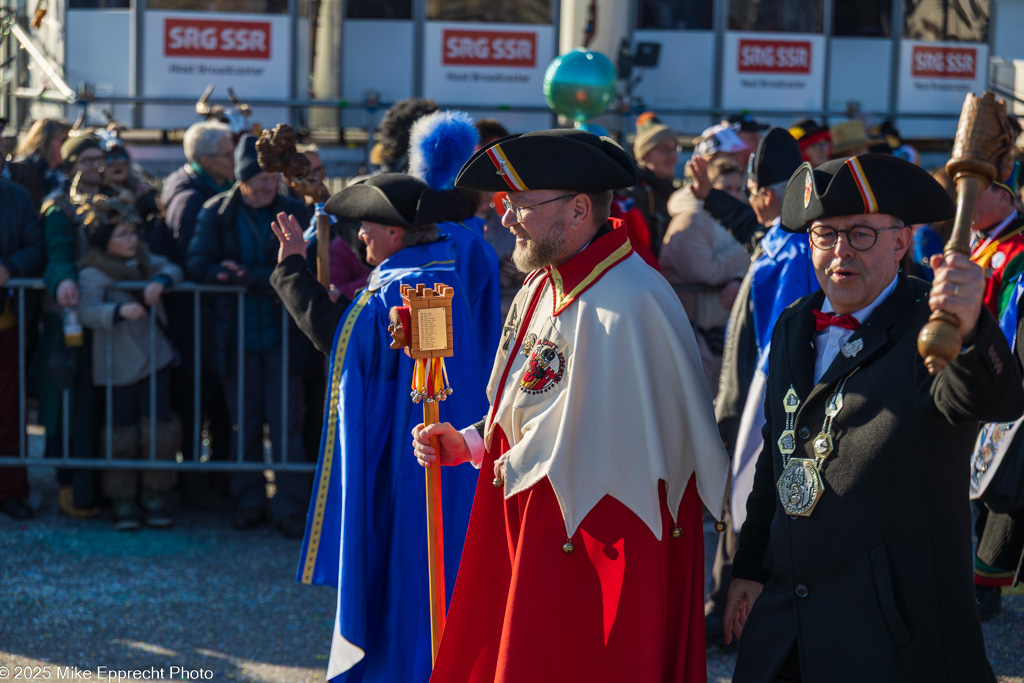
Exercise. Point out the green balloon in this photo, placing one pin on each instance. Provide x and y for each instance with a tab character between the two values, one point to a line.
580	84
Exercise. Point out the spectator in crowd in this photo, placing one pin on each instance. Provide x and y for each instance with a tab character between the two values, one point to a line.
815	141
721	142
26	176
209	169
697	251
233	244
21	255
119	174
66	242
750	132
390	153
850	139
41	149
120	320
656	151
23	175
889	141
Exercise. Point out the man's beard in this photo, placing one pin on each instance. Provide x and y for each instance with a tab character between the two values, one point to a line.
531	255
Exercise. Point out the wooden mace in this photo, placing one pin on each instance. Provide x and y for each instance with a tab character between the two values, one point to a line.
423	327
276	153
980	155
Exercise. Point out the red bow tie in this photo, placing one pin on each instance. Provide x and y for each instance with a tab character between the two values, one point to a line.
823	320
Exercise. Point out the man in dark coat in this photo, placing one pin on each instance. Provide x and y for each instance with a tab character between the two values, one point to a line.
854	562
21	255
209	170
233	244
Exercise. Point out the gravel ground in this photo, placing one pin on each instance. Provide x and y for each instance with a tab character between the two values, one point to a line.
216	603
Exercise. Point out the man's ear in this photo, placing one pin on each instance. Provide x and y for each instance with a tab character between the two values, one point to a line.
904	238
582	210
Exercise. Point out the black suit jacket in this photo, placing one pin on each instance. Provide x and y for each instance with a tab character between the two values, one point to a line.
877	584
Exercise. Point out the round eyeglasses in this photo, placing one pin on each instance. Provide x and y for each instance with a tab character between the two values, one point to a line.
517	210
860	237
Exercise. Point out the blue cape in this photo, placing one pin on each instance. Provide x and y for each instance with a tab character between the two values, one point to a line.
781	276
477	265
366	532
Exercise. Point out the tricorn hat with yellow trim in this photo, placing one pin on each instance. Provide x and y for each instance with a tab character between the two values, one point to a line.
869	183
395	199
560	159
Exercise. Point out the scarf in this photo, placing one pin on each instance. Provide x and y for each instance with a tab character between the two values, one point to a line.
207	180
138	268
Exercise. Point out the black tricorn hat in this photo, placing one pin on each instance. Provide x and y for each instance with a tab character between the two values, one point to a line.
560	159
395	199
869	183
776	157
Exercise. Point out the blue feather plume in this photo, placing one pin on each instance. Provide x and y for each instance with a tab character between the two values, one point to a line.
439	145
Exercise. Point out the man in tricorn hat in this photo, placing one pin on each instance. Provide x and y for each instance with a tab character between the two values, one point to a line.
366	531
854	563
584	556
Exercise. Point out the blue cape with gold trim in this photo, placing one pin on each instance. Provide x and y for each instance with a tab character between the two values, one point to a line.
366	533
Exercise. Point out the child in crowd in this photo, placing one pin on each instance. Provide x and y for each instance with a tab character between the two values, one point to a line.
120	319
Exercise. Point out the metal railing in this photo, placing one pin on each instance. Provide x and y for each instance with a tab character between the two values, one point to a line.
19	287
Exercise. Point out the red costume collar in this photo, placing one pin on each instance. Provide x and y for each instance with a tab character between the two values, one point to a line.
579	273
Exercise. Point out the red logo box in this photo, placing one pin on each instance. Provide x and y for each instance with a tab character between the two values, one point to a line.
938	61
488	48
213	38
774	56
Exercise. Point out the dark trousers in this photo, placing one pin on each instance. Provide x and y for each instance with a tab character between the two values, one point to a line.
721	570
13	480
789	672
262	401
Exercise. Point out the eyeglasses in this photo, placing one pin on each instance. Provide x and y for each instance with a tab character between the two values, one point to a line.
517	210
748	193
860	237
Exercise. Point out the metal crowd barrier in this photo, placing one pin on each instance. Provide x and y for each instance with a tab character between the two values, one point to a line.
18	287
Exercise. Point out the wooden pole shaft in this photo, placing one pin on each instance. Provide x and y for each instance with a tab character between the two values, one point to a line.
323	249
939	341
435	538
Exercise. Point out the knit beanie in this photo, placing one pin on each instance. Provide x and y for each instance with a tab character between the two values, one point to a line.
75	145
246	165
650	132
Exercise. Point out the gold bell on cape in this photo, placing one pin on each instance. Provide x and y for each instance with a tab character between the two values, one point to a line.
719	527
568	547
498	482
676	532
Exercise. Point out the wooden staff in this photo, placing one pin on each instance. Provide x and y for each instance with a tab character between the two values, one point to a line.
423	327
980	155
276	153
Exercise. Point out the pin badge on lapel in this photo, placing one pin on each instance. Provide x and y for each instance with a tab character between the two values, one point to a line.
852	348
